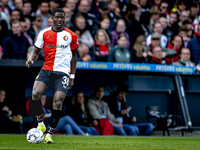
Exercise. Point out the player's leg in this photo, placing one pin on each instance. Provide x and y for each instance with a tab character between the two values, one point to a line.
60	85
58	99
38	89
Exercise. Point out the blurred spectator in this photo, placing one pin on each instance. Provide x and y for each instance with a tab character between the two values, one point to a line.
10	123
166	32
53	4
145	5
172	25
112	6
156	2
184	16
85	35
194	10
194	46
15	45
83	9
120	28
72	5
184	58
1	52
157	27
43	11
177	44
83	53
3	30
50	21
183	31
119	108
120	53
3	16
68	126
99	109
130	16
133	26
145	21
181	6
104	24
155	41
15	15
154	16
24	29
37	24
117	12
68	23
138	49
5	8
157	56
101	48
76	109
163	8
18	4
104	11
26	9
29	29
189	26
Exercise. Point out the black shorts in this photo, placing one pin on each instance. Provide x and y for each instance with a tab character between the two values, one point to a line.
59	80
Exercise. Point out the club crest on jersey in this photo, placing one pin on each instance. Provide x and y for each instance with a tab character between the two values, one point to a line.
48	37
65	38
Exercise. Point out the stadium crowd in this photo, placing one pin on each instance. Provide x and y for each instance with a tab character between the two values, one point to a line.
140	31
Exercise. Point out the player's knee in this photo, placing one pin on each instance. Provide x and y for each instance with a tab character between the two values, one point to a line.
58	104
36	95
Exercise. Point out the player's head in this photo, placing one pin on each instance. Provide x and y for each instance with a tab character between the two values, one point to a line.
58	18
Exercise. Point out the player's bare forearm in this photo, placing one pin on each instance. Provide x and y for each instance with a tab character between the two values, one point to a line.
73	61
34	55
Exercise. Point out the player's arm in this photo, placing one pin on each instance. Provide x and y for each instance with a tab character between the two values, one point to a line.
73	68
34	55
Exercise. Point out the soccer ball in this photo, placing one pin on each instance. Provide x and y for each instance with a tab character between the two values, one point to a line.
35	136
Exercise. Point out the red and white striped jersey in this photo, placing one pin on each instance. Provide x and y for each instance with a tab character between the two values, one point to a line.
57	48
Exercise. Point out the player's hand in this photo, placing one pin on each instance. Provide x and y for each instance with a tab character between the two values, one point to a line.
29	62
71	83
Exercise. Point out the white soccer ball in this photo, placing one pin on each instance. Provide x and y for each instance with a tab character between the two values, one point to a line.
35	136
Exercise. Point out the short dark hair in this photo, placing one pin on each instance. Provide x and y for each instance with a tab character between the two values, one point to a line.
122	88
97	86
185	48
58	10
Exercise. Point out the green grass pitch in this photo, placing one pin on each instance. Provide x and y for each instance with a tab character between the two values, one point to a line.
62	142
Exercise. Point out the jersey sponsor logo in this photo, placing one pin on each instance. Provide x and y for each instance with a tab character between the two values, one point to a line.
65	38
56	46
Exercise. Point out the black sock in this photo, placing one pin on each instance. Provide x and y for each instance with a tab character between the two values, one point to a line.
54	120
37	105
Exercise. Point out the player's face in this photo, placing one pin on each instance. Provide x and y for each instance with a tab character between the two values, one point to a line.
58	20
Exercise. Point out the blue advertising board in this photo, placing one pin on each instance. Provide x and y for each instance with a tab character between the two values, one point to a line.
134	67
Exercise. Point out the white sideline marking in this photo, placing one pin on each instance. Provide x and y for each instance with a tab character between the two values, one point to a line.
32	148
